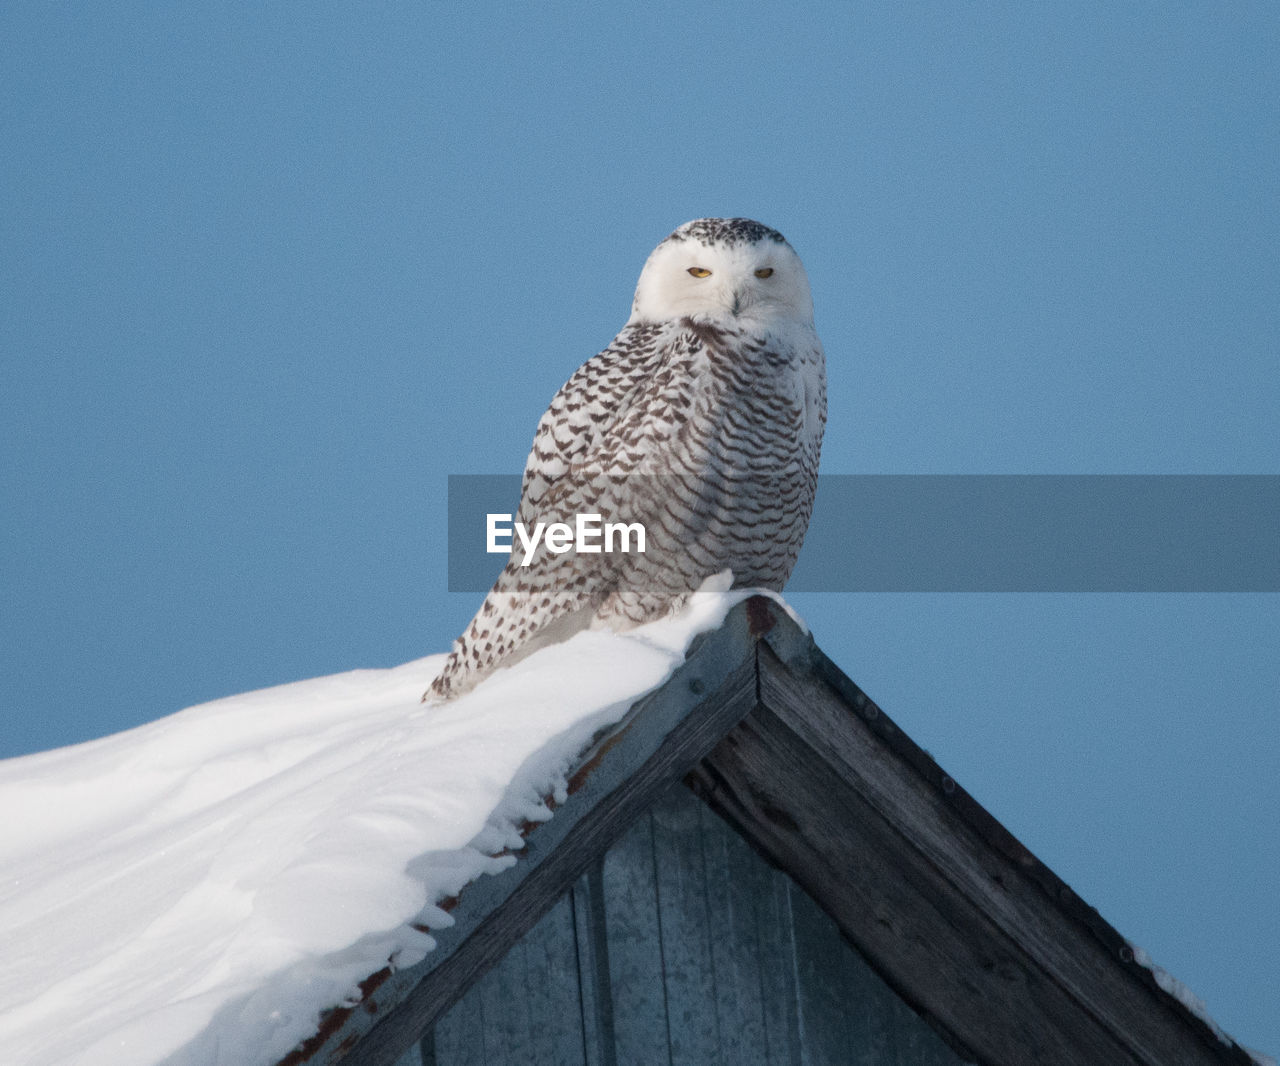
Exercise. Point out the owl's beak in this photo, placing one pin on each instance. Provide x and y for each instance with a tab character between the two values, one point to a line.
737	302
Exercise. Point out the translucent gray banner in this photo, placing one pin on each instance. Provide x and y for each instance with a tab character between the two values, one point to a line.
985	533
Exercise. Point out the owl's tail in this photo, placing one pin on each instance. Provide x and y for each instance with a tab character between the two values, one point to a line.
529	609
509	627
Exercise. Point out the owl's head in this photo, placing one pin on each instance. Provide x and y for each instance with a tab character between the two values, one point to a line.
723	268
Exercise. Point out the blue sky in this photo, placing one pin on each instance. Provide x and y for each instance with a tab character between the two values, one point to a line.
268	277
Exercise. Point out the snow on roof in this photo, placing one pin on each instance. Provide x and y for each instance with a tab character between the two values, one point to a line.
1193	1003
198	889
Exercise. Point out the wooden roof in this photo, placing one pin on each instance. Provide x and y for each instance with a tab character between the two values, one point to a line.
961	920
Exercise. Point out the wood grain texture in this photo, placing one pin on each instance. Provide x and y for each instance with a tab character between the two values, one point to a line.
734	884
595	985
710	948
779	991
412	1057
635	948
537	980
455	1038
951	921
688	976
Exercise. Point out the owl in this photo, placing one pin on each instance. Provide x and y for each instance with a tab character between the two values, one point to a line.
701	423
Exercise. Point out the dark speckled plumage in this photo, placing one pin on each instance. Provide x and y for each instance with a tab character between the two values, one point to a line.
702	420
726	231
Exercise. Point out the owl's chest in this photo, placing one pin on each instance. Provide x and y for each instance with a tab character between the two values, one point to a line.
711	368
707	390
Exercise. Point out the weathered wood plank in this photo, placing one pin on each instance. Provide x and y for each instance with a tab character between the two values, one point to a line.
738	903
635	947
504	1003
914	1042
779	994
825	1000
527	1011
682	927
990	871
850	1015
552	981
845	856
455	1040
530	1000
591	941
412	1057
660	741
949	919
1125	995
736	883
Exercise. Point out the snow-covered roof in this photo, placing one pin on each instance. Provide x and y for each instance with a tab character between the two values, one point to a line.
231	884
205	885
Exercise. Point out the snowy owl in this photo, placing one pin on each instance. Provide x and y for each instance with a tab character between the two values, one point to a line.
702	422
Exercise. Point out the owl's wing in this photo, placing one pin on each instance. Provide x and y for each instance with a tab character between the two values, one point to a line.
572	454
587	409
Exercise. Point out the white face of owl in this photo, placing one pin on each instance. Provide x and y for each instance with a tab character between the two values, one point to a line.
723	268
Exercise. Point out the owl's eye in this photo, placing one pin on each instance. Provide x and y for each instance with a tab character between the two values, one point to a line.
764	272
699	272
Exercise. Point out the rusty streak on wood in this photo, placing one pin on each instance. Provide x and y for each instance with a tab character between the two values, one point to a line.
761	616
334	1020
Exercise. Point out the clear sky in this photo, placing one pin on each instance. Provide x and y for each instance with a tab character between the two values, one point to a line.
268	277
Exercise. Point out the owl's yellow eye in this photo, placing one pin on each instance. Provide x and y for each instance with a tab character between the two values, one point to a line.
764	272
699	272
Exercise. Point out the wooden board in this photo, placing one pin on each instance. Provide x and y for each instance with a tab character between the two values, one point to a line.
713	958
953	912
